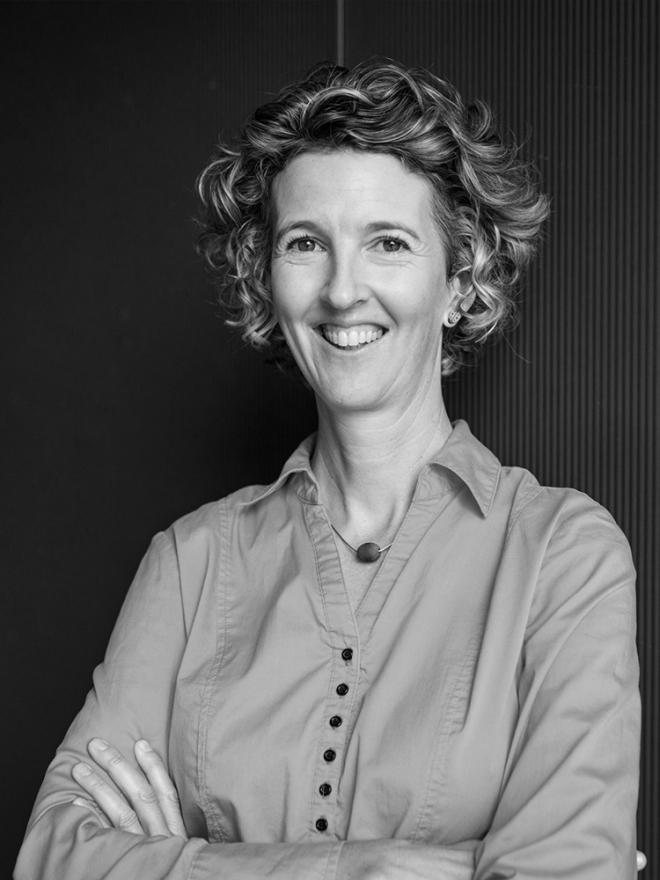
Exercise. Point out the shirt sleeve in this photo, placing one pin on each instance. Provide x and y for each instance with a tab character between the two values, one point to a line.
131	699
568	803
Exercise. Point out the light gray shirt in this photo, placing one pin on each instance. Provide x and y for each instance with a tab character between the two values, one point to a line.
482	696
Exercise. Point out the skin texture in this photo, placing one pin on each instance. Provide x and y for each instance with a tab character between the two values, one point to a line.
144	801
330	265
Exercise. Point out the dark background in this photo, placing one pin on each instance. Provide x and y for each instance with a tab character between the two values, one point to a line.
128	403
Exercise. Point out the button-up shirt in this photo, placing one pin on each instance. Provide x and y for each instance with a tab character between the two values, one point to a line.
482	696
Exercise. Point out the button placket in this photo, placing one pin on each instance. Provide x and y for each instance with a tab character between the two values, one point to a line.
329	771
343	641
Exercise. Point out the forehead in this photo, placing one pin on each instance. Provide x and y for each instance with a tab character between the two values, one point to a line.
354	183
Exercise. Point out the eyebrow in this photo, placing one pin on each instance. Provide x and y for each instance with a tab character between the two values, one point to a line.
375	226
384	224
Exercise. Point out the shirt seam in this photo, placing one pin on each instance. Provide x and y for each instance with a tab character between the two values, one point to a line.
334	854
193	864
221	627
448	726
516	516
170	537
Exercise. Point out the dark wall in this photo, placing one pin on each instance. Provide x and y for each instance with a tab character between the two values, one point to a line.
127	401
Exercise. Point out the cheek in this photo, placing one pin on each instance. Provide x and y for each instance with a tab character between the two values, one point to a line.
280	293
290	292
420	305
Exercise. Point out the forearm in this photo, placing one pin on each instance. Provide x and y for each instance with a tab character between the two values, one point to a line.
395	859
69	841
61	843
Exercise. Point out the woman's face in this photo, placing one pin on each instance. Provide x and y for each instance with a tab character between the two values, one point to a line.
359	278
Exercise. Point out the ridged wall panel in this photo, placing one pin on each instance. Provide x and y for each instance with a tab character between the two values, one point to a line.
573	392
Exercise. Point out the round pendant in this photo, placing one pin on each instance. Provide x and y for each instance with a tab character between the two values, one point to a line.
368	552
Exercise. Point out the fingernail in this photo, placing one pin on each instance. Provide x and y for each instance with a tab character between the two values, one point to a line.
100	744
82	769
144	745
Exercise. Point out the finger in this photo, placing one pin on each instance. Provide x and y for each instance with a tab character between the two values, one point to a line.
132	784
94	807
155	771
115	807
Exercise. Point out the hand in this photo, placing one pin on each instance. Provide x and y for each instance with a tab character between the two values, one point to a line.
147	802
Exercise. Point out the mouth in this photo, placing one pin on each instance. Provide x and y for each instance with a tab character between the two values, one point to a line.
351	338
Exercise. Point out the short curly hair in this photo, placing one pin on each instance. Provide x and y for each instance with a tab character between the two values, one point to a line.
486	201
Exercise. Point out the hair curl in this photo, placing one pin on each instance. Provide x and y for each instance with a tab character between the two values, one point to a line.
487	204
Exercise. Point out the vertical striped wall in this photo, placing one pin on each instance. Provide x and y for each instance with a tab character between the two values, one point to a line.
573	392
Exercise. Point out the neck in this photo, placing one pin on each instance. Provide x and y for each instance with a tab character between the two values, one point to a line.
367	464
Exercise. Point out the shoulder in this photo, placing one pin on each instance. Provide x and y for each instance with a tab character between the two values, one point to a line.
579	553
192	555
560	516
559	512
205	525
513	499
200	538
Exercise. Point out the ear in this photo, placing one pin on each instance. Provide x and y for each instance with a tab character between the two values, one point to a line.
462	296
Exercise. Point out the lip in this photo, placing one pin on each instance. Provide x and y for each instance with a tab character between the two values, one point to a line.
350	325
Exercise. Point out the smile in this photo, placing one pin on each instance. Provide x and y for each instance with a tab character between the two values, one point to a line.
351	337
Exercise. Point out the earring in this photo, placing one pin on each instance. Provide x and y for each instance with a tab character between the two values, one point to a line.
453	318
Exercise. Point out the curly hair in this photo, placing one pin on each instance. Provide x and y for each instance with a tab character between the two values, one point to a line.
486	202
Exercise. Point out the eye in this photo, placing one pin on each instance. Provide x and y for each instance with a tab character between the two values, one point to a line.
393	245
302	245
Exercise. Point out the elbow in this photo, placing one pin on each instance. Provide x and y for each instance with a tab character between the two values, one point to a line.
53	843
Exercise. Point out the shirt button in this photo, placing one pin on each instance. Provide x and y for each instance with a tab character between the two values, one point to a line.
329	755
335	721
321	824
325	789
347	654
342	689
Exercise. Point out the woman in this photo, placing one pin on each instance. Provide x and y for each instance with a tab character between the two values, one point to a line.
400	659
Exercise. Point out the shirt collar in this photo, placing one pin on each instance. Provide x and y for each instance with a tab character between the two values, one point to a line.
298	466
462	454
472	462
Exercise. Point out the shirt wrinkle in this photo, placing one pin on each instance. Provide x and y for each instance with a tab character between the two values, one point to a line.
292	721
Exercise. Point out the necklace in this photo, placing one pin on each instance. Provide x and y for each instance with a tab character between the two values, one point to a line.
367	552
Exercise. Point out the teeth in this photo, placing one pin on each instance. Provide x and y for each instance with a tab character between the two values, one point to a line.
350	338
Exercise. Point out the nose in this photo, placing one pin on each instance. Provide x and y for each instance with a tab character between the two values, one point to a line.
343	287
